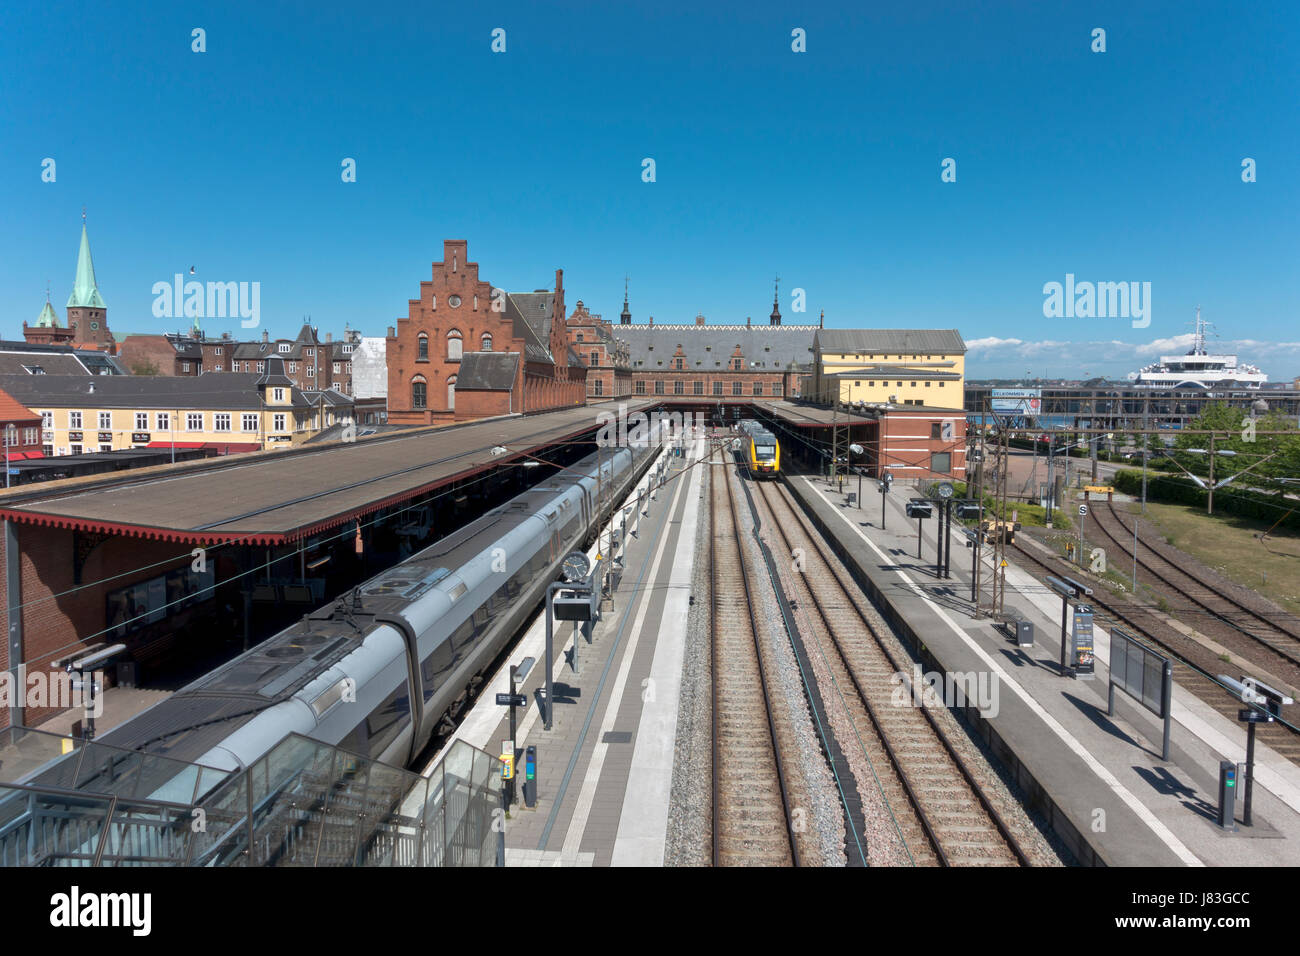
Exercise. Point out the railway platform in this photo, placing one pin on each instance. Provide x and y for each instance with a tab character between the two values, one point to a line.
605	768
1098	782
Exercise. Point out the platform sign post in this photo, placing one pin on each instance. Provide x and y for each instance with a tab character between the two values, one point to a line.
1227	794
1072	592
530	777
1263	705
1082	632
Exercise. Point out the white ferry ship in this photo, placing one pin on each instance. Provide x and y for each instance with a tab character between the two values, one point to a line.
1198	368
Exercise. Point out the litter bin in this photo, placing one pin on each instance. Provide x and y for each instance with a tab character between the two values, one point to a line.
1025	633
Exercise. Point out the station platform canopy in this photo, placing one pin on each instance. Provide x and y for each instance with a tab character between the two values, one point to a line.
283	496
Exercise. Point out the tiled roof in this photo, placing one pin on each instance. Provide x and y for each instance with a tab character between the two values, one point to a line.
490	371
898	341
896	372
232	390
774	347
12	410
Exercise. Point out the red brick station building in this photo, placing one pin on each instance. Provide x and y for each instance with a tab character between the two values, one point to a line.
467	349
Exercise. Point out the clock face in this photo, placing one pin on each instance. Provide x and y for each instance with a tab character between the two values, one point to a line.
945	490
576	567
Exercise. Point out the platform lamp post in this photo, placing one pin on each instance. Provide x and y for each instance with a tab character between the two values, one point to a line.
11	430
857	450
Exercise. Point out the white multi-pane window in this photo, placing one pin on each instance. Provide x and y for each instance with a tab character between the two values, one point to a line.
47	419
30	435
194	421
293	367
74	419
278	394
311	371
221	421
279	422
105	420
261	366
338	368
164	420
250	422
141	421
285	347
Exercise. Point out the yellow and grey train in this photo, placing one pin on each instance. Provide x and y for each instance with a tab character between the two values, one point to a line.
760	450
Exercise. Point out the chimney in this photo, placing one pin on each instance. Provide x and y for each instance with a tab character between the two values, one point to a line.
266	336
747	322
699	318
652	320
392	332
329	336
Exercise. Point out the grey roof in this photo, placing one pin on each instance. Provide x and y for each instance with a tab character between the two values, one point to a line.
26	364
531	313
897	341
575	359
774	347
537	353
329	396
897	372
233	390
490	371
56	360
274	374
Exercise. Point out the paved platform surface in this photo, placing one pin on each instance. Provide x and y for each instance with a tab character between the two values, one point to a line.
1103	774
605	768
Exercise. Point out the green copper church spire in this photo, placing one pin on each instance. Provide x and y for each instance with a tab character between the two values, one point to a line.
85	294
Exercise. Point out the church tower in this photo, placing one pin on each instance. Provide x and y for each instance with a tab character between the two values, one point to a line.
87	312
625	317
775	317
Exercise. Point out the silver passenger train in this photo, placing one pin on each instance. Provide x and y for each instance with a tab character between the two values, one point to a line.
378	672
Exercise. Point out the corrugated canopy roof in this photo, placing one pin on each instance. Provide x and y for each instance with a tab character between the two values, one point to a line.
284	496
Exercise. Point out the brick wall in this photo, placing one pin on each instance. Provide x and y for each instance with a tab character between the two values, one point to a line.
433	316
52	625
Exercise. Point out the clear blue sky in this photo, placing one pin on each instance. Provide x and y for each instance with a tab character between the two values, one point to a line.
822	167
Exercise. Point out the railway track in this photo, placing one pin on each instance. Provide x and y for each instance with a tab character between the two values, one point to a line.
942	814
1277	635
1194	664
752	820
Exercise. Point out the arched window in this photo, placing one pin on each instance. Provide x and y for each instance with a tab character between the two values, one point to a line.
423	354
487	341
419	388
454	346
451	393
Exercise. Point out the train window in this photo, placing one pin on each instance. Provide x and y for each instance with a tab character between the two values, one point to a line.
463	636
435	668
388	720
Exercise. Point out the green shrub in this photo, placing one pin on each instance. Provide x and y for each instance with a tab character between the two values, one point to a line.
1177	489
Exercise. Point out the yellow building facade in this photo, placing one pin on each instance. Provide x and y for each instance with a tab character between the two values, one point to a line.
889	366
232	411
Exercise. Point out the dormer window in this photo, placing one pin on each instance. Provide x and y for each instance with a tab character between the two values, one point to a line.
285	347
277	395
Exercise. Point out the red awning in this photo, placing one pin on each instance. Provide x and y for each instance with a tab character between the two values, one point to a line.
232	447
25	455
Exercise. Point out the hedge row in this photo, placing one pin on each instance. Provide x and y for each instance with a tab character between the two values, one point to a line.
1237	501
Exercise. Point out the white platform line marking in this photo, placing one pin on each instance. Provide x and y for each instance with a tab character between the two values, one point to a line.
587	795
643	821
1137	806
